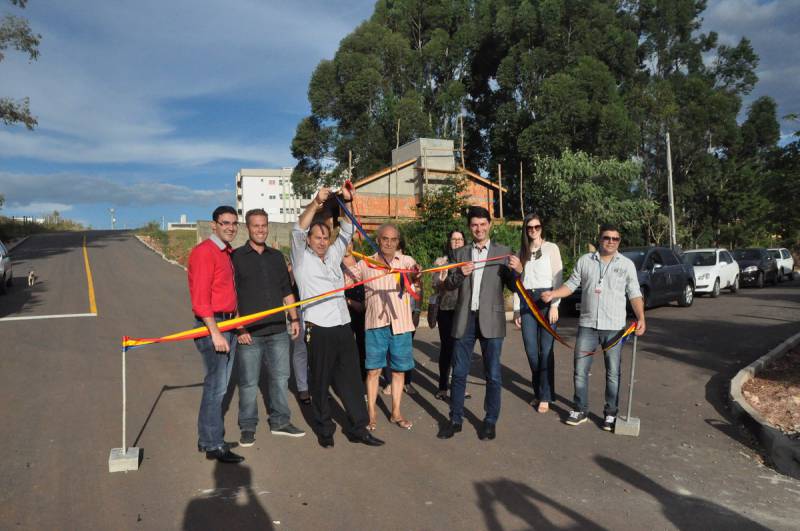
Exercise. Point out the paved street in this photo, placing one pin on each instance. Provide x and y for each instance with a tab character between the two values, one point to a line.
60	390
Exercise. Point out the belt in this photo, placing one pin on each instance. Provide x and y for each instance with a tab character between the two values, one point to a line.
224	316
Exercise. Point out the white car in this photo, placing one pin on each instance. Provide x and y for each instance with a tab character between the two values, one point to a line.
714	270
785	261
6	275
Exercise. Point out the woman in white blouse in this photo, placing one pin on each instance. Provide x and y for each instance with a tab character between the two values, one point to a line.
541	271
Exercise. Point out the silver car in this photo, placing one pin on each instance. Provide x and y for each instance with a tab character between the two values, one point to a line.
5	268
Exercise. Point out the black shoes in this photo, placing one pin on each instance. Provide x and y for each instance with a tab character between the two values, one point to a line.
304	398
224	455
486	431
325	441
248	439
367	438
448	429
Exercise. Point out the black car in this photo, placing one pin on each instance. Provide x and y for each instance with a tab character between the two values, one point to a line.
756	266
663	278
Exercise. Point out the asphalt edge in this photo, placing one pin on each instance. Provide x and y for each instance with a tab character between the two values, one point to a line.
159	253
783	451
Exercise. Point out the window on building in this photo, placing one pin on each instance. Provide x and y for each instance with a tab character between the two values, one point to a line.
281	211
272	182
272	197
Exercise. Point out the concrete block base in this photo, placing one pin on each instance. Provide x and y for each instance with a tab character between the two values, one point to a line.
121	460
627	426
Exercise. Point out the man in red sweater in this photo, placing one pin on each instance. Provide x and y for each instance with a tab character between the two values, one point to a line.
213	294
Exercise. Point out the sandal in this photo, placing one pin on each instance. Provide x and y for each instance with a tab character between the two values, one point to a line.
441	395
544	407
387	390
402	423
371	426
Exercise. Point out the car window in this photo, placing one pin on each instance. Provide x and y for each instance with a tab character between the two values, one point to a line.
785	253
747	254
637	257
3	251
668	257
702	258
775	254
725	255
652	259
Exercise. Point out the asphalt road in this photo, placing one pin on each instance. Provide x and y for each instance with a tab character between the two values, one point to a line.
60	390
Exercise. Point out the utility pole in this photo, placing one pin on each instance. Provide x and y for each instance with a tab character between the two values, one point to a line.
672	232
461	122
113	219
521	203
500	183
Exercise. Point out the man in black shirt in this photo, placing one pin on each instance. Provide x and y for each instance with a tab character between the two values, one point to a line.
262	282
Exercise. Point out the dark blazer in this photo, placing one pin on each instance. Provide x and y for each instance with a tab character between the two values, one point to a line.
491	311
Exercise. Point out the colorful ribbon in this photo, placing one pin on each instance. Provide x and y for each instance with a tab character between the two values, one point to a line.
224	326
544	323
622	336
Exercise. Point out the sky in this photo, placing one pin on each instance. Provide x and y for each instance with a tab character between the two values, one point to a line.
151	107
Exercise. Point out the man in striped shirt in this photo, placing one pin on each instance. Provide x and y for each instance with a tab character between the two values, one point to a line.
388	320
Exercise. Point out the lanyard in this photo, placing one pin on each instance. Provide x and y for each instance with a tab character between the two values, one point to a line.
603	271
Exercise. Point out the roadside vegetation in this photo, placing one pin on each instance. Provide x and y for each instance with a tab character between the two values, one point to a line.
175	245
11	229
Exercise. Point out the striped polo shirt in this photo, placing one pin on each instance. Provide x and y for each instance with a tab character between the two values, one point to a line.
384	307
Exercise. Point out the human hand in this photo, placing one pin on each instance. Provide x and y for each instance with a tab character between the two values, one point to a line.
553	315
294	327
347	194
322	196
515	263
517	320
220	343
547	296
640	327
244	338
467	269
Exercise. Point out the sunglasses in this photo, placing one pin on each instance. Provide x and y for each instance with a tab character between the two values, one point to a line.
610	239
533	227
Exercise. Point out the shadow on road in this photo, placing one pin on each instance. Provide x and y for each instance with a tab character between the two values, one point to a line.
155	403
685	512
526	504
232	504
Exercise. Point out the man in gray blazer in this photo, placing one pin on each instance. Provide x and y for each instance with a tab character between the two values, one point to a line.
479	315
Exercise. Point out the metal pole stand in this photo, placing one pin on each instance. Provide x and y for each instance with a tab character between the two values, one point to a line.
123	459
629	425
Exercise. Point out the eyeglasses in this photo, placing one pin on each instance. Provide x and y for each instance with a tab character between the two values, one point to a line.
533	227
228	223
387	239
456	239
614	239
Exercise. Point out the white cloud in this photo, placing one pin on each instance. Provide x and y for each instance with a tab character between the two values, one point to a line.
24	191
773	27
38	209
109	74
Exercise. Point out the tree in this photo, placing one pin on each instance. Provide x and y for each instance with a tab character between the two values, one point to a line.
16	33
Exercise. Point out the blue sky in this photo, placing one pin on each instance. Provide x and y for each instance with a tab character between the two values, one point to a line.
151	107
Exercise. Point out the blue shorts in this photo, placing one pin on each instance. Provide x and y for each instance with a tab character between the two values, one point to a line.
381	341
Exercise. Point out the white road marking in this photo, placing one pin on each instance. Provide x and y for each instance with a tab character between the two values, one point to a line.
58	316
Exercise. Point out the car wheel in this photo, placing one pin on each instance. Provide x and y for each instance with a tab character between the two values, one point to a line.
715	290
687	297
760	280
735	285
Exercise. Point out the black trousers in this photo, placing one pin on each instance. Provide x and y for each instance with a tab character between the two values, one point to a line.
444	319
333	360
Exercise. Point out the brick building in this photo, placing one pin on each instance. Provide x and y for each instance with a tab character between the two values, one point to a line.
421	165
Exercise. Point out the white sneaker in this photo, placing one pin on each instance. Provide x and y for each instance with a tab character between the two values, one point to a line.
608	424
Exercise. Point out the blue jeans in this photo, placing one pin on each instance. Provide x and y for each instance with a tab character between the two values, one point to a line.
585	344
210	424
539	348
491	349
273	352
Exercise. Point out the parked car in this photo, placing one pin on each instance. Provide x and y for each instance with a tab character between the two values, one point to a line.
663	278
756	266
5	268
714	270
785	262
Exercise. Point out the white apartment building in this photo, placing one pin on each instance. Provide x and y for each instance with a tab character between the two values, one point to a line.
270	189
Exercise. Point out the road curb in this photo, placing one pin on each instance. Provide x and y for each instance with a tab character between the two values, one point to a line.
159	253
16	243
781	449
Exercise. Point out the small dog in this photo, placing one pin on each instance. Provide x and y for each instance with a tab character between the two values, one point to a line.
31	278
